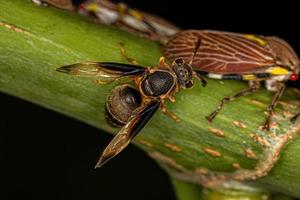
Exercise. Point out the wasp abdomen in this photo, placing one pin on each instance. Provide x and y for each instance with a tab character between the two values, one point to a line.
120	104
158	83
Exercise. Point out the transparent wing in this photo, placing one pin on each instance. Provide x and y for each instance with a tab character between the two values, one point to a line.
102	70
128	132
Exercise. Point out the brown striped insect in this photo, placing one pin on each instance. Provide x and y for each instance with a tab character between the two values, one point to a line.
245	57
155	85
64	4
128	19
120	15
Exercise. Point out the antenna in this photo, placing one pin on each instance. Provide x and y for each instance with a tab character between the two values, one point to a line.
197	46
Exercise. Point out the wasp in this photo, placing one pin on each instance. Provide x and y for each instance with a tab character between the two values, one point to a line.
155	85
243	57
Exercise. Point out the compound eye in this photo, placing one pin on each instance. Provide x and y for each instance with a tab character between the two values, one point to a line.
179	61
294	77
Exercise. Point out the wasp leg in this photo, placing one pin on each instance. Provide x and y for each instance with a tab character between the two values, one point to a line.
124	54
162	63
270	110
172	99
168	113
251	89
294	118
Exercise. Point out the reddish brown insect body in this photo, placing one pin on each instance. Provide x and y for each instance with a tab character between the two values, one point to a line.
64	4
120	15
225	55
128	19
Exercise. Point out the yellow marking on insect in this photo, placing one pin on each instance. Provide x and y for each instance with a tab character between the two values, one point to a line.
122	8
278	71
249	77
256	39
136	14
93	7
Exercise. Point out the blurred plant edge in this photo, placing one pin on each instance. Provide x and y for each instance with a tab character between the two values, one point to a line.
57	33
190	191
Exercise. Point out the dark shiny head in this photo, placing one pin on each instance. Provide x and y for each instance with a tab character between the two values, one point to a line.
120	104
184	73
158	83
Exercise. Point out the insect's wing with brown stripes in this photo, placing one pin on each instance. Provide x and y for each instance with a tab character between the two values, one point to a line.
221	52
104	71
64	4
138	120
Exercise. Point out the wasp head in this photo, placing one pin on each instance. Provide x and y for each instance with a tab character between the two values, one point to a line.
183	72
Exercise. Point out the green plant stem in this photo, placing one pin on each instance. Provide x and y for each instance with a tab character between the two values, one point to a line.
34	41
186	191
190	191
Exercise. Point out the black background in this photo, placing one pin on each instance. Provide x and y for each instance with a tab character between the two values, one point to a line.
48	156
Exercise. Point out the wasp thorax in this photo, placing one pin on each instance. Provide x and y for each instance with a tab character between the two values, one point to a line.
120	104
183	72
157	83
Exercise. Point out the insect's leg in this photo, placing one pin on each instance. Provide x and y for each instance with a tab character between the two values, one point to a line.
270	110
162	62
124	54
200	78
251	89
168	113
172	99
294	118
